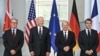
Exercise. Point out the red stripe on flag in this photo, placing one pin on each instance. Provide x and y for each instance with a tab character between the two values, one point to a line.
98	49
6	23
8	16
26	38
74	25
31	21
28	27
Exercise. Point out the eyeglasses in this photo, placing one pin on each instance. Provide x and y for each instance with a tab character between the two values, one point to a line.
14	22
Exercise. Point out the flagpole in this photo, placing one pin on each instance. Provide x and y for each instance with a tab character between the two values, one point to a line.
54	26
54	53
73	53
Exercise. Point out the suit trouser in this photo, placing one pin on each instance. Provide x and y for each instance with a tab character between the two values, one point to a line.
41	54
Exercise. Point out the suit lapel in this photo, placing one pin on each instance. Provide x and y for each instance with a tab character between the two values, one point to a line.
86	38
16	33
43	32
91	33
68	34
36	30
10	34
85	34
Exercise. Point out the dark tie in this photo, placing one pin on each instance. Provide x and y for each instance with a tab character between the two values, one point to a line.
40	32
65	35
89	33
13	33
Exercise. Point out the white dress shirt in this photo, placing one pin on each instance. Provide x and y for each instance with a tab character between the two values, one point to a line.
87	31
39	29
14	30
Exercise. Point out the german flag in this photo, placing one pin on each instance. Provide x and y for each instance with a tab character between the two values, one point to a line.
74	23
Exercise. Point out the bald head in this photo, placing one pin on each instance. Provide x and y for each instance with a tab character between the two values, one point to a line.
40	21
65	25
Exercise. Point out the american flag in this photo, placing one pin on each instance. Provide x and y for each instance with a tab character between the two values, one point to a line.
31	20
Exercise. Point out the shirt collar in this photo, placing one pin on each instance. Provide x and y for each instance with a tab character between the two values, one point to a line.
88	29
13	29
65	31
39	28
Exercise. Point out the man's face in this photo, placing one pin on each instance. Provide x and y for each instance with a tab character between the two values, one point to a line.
88	24
65	26
40	21
14	24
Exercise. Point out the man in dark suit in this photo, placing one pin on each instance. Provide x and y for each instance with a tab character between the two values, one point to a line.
65	41
39	42
88	40
13	39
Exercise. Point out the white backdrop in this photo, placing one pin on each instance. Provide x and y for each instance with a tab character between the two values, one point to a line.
20	11
2	10
88	6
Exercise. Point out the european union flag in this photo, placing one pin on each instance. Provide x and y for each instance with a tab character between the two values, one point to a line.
54	25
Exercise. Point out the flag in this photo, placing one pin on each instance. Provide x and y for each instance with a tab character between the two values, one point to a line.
95	19
31	20
74	23
8	16
54	25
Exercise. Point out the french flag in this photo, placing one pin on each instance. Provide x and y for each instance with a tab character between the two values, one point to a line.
95	18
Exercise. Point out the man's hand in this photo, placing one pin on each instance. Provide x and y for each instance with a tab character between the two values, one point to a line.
47	53
32	53
89	52
13	52
66	48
